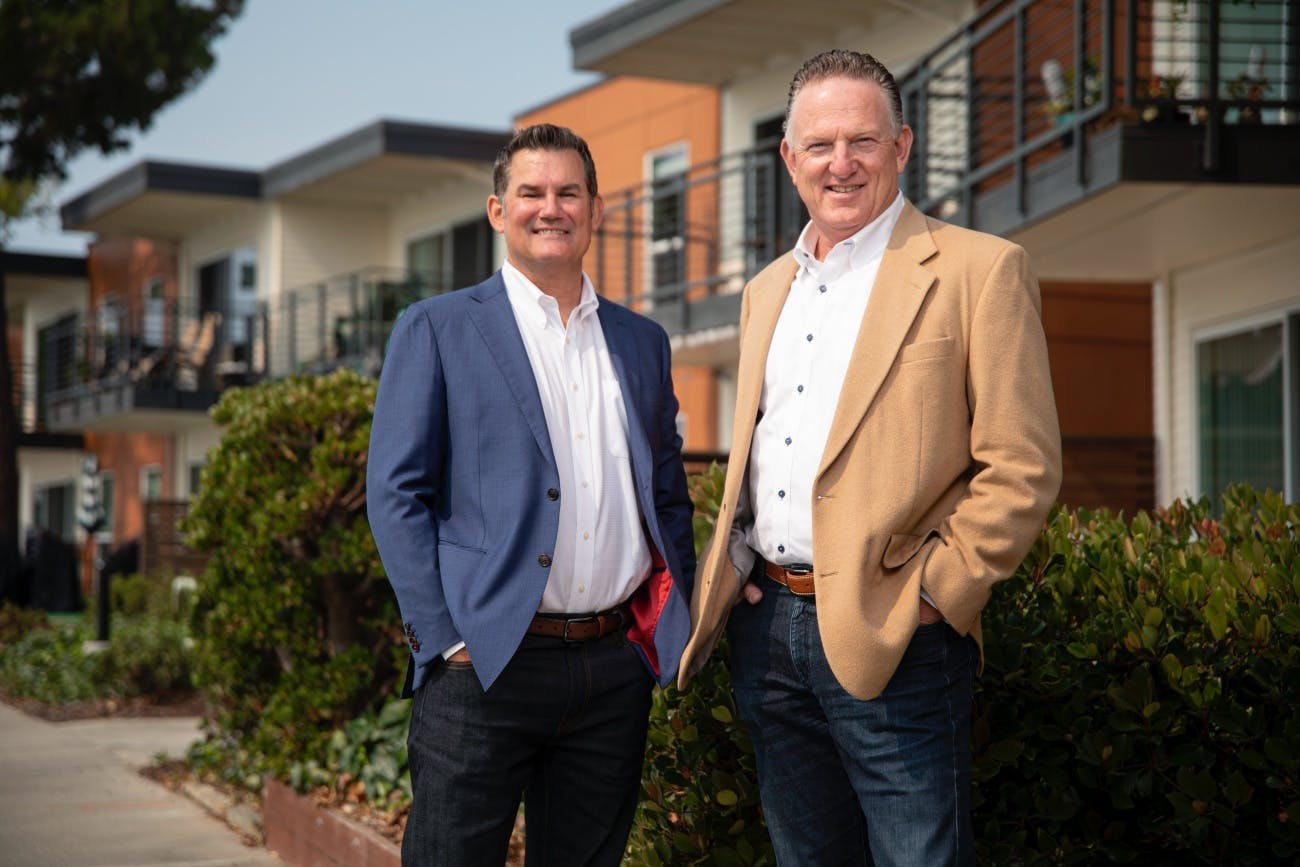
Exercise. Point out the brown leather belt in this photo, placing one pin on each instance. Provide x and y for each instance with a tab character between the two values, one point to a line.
580	627
798	581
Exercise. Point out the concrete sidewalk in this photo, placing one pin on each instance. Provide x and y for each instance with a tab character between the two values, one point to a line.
70	796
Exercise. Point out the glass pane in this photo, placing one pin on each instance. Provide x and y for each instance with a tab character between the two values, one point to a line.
1240	384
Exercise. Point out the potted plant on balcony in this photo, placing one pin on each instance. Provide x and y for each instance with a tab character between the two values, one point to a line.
1248	87
1161	92
1059	84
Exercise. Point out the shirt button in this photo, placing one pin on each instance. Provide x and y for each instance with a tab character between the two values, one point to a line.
800	389
584	484
821	288
586	535
582	588
809	338
781	494
580	435
788	441
544	560
780	549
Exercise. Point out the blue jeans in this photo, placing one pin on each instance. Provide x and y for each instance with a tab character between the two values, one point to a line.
884	782
564	725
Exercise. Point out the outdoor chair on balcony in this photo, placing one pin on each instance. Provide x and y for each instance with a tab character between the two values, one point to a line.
192	355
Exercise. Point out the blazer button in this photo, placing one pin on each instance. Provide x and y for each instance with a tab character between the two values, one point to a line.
552	494
544	560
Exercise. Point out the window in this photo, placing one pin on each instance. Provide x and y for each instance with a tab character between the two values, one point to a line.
1248	408
453	258
107	498
152	325
667	171
196	476
54	508
775	215
151	483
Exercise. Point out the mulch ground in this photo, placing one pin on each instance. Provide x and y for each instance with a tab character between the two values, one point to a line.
172	704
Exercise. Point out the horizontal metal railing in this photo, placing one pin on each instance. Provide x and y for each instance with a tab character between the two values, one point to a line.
1025	79
148	344
343	321
696	234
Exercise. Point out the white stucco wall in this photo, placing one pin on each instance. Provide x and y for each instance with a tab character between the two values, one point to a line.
1247	288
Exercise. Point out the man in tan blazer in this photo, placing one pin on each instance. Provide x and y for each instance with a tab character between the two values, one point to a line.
895	451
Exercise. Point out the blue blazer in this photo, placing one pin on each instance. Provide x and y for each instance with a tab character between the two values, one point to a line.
461	478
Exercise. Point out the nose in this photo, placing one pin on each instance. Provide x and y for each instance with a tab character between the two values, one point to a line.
841	159
551	207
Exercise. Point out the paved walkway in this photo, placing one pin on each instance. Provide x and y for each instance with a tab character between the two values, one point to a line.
70	796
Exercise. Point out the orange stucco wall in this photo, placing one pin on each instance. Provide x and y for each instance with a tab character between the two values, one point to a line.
623	119
121	267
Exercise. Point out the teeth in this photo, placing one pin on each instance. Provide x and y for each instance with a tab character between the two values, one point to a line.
835	189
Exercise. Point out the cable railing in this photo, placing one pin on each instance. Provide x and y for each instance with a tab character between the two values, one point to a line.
345	320
148	344
1025	80
700	233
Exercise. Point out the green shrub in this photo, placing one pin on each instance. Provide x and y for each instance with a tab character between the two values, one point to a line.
699	792
1139	701
369	751
296	628
146	656
48	665
16	622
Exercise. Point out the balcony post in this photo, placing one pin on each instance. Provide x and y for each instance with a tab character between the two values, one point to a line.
1214	122
1130	54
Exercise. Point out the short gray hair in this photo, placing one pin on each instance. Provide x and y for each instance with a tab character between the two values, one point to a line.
842	63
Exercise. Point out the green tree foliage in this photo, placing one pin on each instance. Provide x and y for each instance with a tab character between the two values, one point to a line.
78	74
296	626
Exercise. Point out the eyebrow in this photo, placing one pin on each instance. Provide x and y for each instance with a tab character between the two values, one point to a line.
534	188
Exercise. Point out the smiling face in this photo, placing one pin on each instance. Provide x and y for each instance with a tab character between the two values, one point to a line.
547	217
844	155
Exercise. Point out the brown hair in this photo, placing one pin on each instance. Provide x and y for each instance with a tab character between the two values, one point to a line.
541	137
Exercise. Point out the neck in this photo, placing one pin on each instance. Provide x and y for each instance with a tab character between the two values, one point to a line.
563	284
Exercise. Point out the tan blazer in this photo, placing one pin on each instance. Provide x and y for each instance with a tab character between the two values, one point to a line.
943	457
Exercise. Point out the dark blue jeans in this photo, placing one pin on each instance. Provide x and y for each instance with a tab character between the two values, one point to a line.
884	782
564	726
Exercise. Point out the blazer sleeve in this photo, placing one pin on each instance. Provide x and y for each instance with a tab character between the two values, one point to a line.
408	447
672	502
1015	446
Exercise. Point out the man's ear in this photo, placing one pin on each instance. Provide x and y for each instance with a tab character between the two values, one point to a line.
496	212
597	212
787	155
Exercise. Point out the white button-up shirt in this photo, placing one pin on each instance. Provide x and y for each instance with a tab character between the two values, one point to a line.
601	554
811	347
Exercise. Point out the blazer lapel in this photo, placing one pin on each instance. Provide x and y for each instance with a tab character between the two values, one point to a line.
767	296
901	285
495	321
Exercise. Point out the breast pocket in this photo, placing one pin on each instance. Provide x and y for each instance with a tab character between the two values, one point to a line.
614	418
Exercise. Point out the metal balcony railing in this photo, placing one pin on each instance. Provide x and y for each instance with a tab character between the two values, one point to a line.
697	234
1025	79
344	321
148	344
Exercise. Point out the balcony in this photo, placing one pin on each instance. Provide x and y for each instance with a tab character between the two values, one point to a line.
344	321
1035	106
144	363
680	249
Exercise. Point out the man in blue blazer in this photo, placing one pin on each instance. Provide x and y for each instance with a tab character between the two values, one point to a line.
527	496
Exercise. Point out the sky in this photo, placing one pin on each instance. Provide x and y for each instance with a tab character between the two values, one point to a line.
292	74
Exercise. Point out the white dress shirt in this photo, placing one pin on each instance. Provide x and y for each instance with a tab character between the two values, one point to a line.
811	347
601	554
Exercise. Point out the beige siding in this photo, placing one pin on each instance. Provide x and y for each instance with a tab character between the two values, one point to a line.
321	241
1249	287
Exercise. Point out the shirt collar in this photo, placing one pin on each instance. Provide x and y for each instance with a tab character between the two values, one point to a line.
535	306
864	246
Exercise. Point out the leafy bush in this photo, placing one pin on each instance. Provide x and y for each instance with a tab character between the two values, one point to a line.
15	622
296	628
48	665
1140	694
365	759
699	792
146	656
